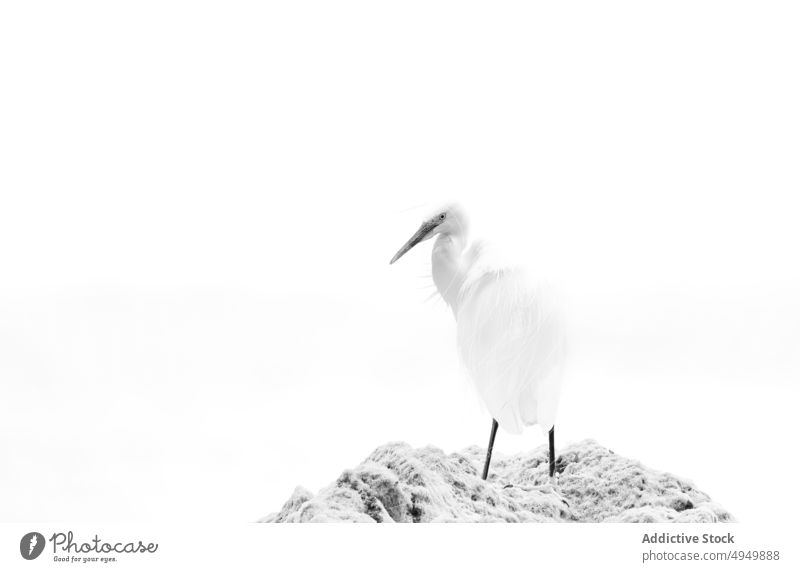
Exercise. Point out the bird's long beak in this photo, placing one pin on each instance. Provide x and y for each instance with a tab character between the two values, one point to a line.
419	236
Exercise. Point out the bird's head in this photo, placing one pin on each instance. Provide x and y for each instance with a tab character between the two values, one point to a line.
447	220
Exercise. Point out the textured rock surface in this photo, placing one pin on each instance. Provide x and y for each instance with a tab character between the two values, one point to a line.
397	483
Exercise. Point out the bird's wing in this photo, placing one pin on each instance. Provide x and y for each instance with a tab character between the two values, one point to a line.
510	340
480	260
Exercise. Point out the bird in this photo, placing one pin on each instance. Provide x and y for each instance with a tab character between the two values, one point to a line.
509	327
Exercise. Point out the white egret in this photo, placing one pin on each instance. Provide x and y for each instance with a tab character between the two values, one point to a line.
510	333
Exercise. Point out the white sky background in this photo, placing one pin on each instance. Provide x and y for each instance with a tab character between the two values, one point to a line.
199	204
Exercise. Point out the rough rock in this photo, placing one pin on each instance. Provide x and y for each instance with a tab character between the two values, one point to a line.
398	483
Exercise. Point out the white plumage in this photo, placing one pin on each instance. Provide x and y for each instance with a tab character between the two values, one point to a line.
510	331
511	345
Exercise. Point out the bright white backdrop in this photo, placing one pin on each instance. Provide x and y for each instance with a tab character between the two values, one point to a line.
199	202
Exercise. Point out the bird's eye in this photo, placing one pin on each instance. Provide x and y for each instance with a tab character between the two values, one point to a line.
441	216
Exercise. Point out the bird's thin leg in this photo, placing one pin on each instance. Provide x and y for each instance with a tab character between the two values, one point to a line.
489	450
552	436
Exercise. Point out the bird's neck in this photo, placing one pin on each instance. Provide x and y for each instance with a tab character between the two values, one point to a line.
447	267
